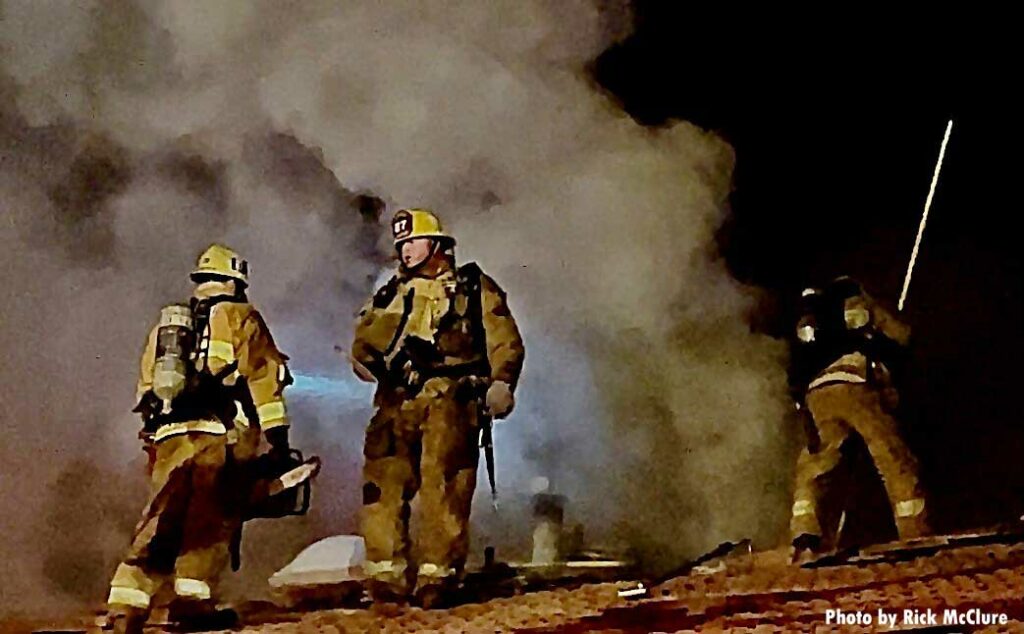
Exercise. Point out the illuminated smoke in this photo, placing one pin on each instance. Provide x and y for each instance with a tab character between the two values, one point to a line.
134	133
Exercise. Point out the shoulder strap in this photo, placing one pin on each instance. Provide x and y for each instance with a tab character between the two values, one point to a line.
469	273
399	335
386	293
468	279
201	311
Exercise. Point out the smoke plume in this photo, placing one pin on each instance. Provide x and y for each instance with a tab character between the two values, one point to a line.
133	134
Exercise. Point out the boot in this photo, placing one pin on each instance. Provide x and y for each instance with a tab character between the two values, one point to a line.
385	592
436	594
126	620
193	615
805	547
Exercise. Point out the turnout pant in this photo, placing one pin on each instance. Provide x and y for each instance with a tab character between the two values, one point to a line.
838	410
426	446
186	526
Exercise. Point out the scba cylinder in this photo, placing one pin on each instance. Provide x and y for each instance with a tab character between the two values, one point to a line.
173	348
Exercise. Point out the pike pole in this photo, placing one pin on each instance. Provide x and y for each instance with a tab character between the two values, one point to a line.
924	217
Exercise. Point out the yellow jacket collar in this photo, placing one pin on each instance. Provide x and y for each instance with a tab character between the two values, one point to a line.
214	288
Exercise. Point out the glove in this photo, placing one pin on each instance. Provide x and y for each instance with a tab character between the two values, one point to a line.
856	313
278	439
499	400
148	407
363	372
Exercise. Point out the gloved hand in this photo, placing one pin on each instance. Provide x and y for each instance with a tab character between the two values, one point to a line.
856	313
149	406
278	439
499	400
363	372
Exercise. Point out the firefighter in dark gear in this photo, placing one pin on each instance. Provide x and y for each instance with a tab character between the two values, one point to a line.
211	381
847	349
446	355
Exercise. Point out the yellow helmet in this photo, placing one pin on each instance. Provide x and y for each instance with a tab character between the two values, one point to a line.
221	261
417	223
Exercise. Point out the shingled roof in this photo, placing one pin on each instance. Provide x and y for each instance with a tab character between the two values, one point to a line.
967	576
748	592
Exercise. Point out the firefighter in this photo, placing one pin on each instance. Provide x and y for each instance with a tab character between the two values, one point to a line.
211	380
446	355
847	349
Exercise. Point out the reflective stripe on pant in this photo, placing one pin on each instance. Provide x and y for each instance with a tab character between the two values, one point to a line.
434	571
183	534
820	487
131	587
192	588
837	410
389	572
804	518
425	446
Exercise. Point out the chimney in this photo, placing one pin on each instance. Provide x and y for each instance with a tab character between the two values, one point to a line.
548	512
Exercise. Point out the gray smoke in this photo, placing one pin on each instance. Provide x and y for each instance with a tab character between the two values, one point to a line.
132	134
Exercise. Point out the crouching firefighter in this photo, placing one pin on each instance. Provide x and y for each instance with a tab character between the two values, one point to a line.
211	381
446	355
847	350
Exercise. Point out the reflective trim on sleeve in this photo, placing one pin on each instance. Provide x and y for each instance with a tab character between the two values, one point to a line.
271	413
220	349
910	508
280	422
191	588
132	597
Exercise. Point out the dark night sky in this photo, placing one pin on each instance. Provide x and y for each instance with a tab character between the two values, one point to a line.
837	129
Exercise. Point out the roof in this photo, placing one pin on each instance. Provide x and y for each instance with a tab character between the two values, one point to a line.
760	592
969	575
